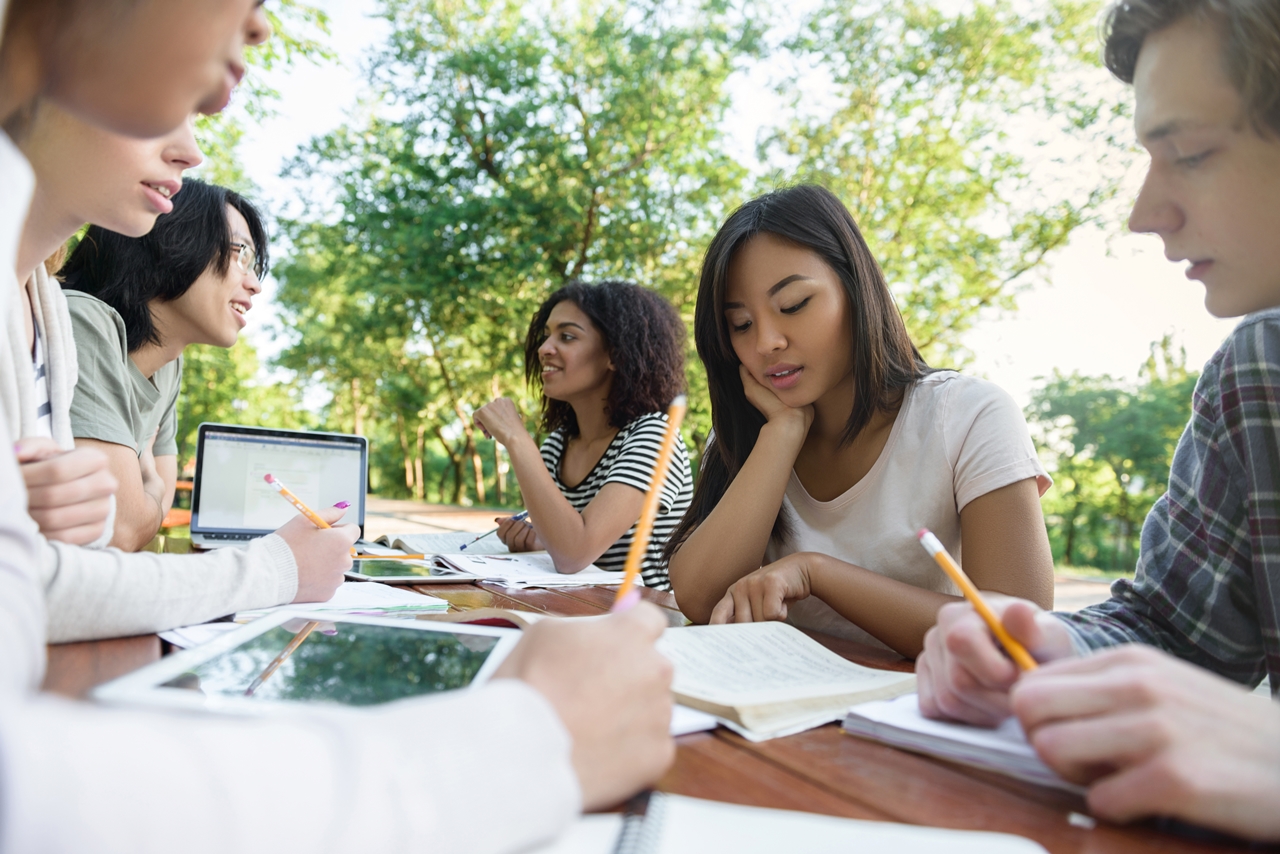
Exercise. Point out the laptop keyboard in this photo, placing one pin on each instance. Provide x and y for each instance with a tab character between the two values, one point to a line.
230	537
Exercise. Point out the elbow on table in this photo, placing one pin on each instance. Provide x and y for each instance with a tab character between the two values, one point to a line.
693	603
130	536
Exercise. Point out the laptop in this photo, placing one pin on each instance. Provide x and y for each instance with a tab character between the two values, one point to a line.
231	503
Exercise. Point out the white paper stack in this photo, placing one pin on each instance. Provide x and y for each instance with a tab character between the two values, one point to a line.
365	597
528	569
1005	749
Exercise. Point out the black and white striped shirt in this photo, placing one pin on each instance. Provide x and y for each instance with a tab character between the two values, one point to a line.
630	459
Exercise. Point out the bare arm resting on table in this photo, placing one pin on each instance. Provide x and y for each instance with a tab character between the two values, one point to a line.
1005	550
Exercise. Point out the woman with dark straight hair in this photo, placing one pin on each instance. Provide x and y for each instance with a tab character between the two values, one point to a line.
834	443
609	359
136	303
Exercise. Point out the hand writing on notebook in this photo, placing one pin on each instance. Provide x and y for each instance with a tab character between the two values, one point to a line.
322	554
68	492
965	675
611	689
1153	735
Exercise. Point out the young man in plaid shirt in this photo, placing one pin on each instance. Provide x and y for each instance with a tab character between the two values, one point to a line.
1141	697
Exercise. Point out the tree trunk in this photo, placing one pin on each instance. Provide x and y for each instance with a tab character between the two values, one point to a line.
455	463
357	411
405	452
420	484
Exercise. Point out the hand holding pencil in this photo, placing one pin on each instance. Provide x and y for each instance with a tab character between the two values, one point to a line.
321	552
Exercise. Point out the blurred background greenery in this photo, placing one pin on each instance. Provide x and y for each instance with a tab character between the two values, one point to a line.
504	148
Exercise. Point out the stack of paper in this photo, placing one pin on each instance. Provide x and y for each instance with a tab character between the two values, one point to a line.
365	597
449	542
528	569
680	825
1004	749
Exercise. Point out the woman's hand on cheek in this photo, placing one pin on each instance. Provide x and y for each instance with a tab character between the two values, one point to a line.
770	406
765	593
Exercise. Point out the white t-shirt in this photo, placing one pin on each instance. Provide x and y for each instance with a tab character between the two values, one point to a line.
955	438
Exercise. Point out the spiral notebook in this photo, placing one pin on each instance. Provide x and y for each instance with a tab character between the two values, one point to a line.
674	824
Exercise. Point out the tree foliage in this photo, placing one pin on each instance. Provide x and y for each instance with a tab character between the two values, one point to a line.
512	152
956	140
1110	445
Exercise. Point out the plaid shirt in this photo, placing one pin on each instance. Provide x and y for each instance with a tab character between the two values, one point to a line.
1208	582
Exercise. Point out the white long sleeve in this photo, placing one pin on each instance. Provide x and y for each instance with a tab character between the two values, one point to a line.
496	778
108	593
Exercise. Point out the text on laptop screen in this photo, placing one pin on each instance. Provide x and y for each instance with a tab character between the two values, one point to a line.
234	495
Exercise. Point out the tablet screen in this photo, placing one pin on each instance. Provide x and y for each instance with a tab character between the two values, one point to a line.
374	568
351	663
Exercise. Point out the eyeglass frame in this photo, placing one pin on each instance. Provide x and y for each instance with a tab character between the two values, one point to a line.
249	266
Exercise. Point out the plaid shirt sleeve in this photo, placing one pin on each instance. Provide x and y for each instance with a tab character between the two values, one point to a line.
1208	574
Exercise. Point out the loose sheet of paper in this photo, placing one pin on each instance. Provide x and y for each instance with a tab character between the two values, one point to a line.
529	569
750	663
364	597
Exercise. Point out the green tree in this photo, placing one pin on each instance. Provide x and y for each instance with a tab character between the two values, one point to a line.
957	141
514	151
1110	445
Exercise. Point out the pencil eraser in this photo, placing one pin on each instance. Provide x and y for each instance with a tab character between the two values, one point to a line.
269	478
924	532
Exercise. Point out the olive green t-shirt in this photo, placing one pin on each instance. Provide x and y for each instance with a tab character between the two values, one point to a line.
113	401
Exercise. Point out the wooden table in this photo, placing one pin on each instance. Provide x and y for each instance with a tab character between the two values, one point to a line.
823	770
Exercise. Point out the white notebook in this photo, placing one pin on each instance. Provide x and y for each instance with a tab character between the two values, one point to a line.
678	825
1004	749
449	542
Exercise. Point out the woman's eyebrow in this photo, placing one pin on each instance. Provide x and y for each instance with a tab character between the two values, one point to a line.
794	277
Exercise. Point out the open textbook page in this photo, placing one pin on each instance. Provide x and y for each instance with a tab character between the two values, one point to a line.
678	825
447	542
770	679
526	569
1004	749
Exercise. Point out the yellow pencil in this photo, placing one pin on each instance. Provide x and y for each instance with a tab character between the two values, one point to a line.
280	659
1016	650
644	528
296	502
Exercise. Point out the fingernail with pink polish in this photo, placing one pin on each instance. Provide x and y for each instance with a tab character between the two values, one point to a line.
343	505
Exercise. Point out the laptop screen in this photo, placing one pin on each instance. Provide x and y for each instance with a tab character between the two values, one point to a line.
231	495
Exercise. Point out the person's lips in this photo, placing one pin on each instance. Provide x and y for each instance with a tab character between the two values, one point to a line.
1198	269
160	194
783	376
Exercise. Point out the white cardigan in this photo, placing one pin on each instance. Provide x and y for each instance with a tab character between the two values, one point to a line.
314	780
98	593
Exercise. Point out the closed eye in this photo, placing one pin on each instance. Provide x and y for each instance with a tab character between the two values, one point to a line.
1193	160
795	308
740	327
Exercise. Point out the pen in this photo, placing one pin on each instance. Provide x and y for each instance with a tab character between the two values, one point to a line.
519	517
284	654
627	594
1016	650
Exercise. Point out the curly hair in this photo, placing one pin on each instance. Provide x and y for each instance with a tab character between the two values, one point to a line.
643	336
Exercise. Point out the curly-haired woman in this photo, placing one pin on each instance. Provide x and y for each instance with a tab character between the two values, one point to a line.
609	358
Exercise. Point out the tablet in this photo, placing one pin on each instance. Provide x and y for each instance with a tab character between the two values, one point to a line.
405	572
347	660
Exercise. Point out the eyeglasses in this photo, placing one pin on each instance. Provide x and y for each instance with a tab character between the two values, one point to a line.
246	258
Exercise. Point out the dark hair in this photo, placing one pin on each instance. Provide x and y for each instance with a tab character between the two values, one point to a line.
885	362
127	273
1250	45
644	337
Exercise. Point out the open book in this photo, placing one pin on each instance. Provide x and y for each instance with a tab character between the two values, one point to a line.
765	680
449	542
1003	749
674	824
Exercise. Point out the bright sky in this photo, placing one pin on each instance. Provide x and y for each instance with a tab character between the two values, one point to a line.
1107	297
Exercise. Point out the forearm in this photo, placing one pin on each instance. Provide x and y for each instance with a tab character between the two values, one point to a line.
237	784
93	594
138	516
731	541
896	613
559	526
